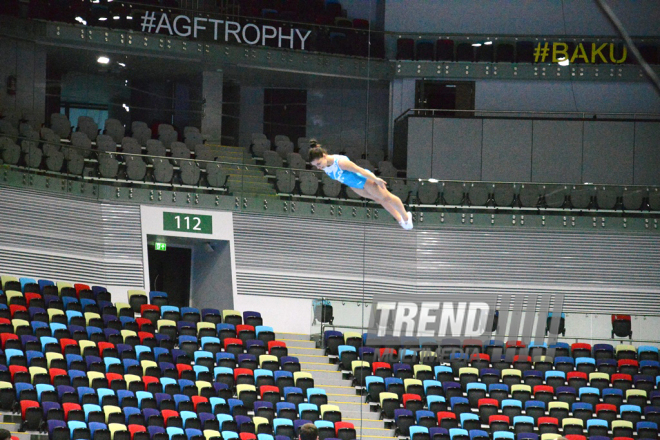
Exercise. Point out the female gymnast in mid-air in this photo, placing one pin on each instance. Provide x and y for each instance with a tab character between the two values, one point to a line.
363	182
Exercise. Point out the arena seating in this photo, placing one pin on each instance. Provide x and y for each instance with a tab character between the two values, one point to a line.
499	391
68	149
76	365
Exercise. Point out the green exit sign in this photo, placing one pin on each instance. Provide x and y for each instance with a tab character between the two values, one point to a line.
174	221
161	246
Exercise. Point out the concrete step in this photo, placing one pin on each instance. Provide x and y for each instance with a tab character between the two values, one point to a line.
304	356
306	366
337	381
300	343
337	389
355	413
291	337
302	351
366	432
325	376
346	398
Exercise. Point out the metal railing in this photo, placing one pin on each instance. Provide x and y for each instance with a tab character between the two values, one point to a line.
269	180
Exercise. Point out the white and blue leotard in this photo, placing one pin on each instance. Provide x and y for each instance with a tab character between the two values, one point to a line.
348	178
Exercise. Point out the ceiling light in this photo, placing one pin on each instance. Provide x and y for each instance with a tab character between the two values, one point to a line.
488	43
433	180
103	60
81	21
563	61
122	64
476	44
103	18
116	17
129	17
127	108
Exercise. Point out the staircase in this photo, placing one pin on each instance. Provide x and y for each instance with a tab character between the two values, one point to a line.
11	422
340	391
248	181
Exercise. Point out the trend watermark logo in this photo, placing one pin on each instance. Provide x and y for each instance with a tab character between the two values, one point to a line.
423	322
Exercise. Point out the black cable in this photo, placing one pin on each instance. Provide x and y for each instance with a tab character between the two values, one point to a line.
650	74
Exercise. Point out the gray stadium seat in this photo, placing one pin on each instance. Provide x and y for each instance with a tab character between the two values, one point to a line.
257	136
190	130
115	130
204	156
51	142
131	145
286	181
215	175
136	125
155	148
296	162
168	137
309	183
25	128
331	188
81	144
453	193
364	163
303	150
164	128
504	194
108	166
30	142
136	169
260	146
479	193
386	169
654	199
163	171
75	164
428	193
375	155
179	150
352	194
45	131
272	159
8	130
530	194
399	188
142	135
281	137
88	126
634	197
555	195
11	153
61	125
193	139
55	161
353	152
609	197
583	196
190	172
301	142
33	156
283	148
106	143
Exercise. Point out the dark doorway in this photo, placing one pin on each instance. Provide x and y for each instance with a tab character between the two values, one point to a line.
169	271
285	112
445	95
231	112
